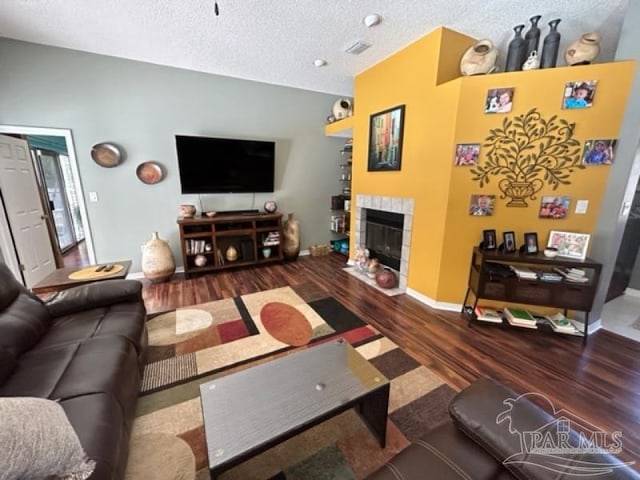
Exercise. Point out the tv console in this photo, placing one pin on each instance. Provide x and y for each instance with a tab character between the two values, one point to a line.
208	243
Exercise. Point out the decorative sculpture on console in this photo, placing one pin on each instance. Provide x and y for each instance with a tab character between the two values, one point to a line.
529	151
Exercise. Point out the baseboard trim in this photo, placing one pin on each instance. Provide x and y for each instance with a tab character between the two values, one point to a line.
632	292
140	275
430	302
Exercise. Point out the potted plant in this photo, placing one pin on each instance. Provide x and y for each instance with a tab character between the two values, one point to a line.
529	151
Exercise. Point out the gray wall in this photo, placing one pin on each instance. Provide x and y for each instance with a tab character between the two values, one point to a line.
626	169
140	107
634	282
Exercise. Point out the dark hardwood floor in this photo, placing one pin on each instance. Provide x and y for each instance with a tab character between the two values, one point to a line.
77	256
599	383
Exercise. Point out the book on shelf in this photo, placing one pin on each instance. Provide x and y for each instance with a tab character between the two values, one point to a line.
524	272
573	274
519	317
560	323
487	314
273	238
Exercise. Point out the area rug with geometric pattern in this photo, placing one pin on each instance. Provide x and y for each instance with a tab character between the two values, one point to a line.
193	345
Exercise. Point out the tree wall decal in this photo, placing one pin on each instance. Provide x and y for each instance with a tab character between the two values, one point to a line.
529	151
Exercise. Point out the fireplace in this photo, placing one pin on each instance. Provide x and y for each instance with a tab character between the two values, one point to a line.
392	233
383	236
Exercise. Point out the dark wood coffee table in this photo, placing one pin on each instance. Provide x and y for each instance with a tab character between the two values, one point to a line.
250	411
59	279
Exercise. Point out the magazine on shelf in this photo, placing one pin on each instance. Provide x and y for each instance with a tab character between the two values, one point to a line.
487	314
524	272
573	275
519	317
560	323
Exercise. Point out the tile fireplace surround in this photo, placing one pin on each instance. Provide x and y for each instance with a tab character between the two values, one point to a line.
403	206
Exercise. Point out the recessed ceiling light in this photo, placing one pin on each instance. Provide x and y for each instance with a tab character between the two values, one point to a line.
319	62
372	20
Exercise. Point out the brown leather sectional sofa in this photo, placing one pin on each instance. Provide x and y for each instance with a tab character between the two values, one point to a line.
84	347
491	435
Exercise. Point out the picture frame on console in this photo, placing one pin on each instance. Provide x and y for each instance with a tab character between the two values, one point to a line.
531	243
489	240
569	244
386	129
509	242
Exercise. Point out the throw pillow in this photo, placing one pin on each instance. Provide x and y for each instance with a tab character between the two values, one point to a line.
38	441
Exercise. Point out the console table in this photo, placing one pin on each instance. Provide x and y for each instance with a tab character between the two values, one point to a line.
256	239
564	294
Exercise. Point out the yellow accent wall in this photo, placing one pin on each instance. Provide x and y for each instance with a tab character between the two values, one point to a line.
443	109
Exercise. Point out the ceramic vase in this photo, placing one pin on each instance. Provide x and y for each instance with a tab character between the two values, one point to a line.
480	58
343	108
385	278
532	62
187	211
532	37
231	254
516	52
158	264
583	50
550	46
266	252
200	261
291	240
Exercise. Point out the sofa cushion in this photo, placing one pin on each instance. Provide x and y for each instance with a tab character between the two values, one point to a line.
23	323
103	365
38	441
123	319
7	364
9	287
445	453
94	295
99	365
503	423
36	375
97	420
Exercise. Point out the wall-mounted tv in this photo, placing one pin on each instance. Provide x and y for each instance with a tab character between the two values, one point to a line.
225	165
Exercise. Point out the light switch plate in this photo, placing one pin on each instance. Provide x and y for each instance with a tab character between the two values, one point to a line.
93	196
581	206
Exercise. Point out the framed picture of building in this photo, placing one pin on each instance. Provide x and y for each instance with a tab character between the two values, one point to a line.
385	139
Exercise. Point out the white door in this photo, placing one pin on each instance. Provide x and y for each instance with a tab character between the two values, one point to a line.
24	210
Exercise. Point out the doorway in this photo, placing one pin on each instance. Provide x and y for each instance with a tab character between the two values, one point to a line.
56	169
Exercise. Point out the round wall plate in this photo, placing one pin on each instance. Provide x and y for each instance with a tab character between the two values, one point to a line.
106	154
150	172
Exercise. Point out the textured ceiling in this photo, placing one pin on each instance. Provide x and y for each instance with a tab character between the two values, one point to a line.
277	41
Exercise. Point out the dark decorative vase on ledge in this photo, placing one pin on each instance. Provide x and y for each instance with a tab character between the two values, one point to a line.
532	37
516	52
550	46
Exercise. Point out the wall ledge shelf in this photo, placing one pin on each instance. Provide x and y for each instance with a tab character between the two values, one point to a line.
340	128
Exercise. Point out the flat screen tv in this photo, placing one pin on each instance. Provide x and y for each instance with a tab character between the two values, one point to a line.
225	165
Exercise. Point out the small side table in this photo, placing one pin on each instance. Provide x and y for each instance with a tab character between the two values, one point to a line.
59	279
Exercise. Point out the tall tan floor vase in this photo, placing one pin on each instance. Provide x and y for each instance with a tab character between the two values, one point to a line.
158	264
291	240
